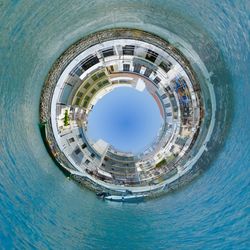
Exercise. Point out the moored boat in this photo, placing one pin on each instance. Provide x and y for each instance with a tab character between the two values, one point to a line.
125	198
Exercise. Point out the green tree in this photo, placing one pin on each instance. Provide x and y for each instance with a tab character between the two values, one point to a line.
66	118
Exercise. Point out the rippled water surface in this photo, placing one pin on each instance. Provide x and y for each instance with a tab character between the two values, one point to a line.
40	208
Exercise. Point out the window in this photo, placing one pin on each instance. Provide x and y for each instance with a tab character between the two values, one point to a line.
172	148
147	72
108	52
180	141
106	82
84	146
87	85
87	161
157	80
94	77
164	96
151	55
78	101
167	105
169	89
128	50
137	68
71	140
77	151
126	67
174	103
89	62
78	71
80	136
79	94
92	155
165	66
101	74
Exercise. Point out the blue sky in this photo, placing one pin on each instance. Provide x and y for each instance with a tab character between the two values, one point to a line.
126	118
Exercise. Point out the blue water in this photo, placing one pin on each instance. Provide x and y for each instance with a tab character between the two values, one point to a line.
41	209
126	118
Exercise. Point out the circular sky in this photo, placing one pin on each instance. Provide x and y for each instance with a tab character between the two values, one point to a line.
126	118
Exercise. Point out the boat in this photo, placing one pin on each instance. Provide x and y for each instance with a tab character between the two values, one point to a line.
125	198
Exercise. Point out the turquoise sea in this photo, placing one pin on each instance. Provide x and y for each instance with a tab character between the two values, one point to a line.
41	209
